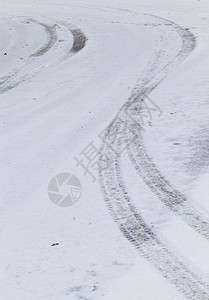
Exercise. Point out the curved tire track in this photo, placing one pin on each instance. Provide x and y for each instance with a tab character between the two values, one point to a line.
137	232
51	40
149	172
79	41
161	188
124	213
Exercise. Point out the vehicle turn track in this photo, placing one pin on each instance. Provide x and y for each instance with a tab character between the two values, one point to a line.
18	76
112	185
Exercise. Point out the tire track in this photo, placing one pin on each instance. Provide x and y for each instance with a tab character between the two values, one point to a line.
161	188
119	204
148	171
52	38
137	232
79	41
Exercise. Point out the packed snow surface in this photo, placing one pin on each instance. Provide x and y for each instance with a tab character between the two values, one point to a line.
104	138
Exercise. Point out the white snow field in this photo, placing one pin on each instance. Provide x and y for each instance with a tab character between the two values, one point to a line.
115	93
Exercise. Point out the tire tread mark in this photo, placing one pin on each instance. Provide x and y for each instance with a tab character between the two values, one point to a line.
119	204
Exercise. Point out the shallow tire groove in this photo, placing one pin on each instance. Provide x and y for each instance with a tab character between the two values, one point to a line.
118	202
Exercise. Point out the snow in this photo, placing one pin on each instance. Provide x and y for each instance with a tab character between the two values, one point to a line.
55	102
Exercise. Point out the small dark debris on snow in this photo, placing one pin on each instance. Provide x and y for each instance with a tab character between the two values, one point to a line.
5	53
55	244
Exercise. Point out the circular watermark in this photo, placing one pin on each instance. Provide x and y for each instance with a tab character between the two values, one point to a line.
64	189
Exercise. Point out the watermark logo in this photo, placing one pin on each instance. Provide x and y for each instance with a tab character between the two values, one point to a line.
125	129
64	189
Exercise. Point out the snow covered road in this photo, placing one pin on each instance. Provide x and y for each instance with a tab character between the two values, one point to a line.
128	81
